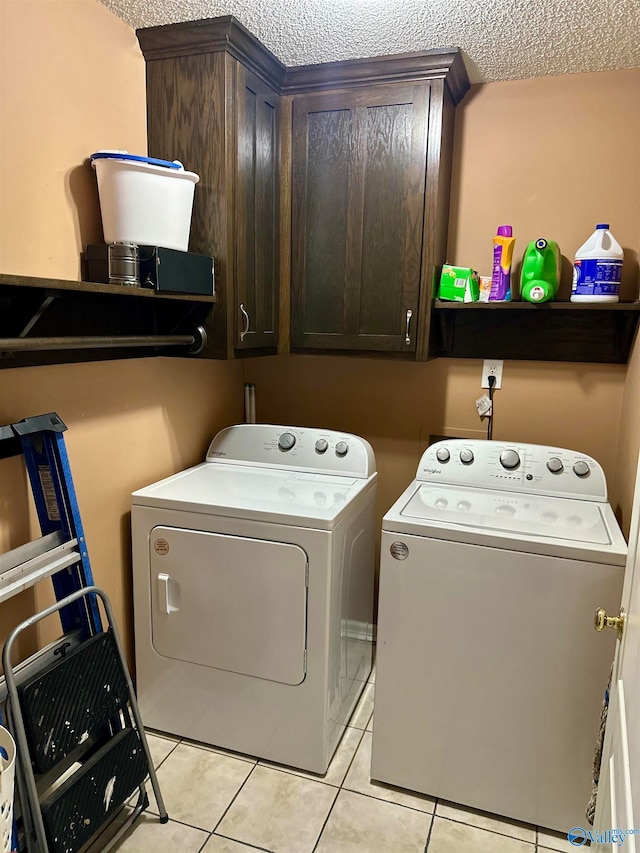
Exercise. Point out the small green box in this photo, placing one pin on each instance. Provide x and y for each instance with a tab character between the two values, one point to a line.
459	284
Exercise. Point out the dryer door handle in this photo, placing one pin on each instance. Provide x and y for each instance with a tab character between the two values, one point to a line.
168	594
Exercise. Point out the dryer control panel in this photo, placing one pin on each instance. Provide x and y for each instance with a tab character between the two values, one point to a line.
517	467
315	451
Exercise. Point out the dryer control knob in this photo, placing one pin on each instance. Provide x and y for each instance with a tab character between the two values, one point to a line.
509	459
322	445
286	441
581	469
443	455
555	465
466	456
342	448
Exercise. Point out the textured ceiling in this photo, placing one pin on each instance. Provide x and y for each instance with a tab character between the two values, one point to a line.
500	39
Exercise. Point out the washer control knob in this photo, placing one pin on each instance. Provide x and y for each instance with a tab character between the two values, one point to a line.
509	459
286	441
442	454
466	456
555	465
581	469
342	448
322	445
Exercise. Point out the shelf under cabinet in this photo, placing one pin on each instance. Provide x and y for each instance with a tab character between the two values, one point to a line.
552	331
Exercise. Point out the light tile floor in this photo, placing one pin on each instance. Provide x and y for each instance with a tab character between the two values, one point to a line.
220	802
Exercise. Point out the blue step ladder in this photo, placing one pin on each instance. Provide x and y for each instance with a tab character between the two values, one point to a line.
61	552
81	678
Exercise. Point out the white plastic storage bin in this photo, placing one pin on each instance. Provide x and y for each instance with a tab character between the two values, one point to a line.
144	200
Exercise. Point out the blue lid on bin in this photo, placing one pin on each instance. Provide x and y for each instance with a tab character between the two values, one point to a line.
124	155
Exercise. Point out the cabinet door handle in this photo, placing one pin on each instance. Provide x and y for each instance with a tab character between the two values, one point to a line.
407	339
246	322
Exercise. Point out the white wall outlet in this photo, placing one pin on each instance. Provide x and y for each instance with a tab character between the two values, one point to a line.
491	367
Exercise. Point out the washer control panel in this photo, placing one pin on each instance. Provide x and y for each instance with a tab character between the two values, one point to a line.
513	467
300	448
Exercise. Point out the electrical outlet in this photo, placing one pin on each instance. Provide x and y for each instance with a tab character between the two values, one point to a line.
491	367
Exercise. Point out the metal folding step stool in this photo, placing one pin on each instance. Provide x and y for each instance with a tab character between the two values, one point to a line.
82	751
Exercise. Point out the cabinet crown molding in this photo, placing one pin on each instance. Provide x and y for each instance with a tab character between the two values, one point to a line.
213	35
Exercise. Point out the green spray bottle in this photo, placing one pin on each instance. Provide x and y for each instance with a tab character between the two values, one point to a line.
540	276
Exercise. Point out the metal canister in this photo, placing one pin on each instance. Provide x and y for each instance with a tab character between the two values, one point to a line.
124	264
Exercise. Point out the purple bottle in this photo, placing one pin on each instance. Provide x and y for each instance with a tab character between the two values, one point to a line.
503	244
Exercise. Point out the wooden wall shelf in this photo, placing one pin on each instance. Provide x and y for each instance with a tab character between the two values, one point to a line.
95	287
32	307
552	331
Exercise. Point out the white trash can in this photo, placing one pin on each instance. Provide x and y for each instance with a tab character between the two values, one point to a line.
7	776
144	200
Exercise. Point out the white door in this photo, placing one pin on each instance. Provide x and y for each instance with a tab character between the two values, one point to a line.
618	803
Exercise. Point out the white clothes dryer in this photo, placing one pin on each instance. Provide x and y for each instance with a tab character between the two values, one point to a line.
489	674
253	578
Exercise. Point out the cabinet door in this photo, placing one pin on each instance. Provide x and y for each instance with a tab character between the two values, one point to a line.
258	114
359	160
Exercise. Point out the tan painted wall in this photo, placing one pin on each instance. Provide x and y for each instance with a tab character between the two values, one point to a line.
72	82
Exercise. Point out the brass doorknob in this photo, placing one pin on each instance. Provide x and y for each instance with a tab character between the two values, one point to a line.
603	621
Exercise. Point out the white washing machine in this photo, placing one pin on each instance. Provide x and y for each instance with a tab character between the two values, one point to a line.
489	674
253	578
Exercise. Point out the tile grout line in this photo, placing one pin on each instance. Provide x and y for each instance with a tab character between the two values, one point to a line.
392	803
326	820
205	842
353	757
176	744
340	788
430	830
485	829
219	750
233	799
234	841
282	768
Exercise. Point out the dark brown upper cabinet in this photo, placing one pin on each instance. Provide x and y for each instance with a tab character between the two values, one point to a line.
256	212
371	172
212	103
359	164
324	189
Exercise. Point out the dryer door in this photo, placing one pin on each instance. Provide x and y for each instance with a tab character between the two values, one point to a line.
229	602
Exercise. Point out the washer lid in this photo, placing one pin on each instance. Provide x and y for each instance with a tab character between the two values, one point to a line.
263	494
525	515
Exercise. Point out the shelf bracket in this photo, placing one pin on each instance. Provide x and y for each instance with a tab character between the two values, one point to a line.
447	332
48	299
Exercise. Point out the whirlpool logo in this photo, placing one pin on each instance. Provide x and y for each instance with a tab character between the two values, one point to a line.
578	836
